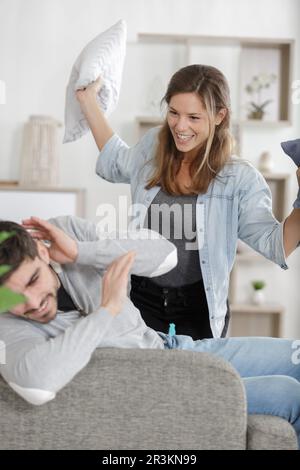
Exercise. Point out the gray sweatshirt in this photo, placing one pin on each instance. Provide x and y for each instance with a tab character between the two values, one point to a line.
40	359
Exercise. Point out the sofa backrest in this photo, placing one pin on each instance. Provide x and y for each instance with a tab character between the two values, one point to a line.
134	399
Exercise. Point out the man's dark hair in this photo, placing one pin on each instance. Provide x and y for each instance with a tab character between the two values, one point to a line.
15	249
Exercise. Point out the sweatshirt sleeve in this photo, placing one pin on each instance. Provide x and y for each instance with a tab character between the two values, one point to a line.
155	255
37	368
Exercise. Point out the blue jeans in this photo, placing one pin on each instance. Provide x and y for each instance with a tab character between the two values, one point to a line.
270	369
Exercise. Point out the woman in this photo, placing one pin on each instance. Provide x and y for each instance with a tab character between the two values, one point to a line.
185	176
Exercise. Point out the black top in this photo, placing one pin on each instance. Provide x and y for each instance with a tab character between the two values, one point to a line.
174	217
64	301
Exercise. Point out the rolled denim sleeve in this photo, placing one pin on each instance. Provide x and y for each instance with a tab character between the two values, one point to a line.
117	162
257	225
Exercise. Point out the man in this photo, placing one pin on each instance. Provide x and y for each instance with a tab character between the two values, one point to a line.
68	314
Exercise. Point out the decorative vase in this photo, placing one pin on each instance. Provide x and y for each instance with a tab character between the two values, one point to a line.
266	162
40	162
258	297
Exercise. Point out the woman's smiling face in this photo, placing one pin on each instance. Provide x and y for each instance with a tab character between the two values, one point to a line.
188	121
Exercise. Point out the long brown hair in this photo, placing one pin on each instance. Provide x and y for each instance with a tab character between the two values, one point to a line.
212	88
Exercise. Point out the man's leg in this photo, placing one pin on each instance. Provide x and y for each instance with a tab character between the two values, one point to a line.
250	356
276	395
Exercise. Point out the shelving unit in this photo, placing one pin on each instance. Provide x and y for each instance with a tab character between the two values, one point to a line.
265	319
256	320
240	58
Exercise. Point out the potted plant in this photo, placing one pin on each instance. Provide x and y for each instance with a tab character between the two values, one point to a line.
258	294
257	105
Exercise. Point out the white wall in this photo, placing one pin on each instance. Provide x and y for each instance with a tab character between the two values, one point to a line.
40	39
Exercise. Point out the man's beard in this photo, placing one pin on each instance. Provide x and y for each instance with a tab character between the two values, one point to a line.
47	315
48	297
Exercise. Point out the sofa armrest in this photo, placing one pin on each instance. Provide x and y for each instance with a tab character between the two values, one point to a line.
134	399
270	433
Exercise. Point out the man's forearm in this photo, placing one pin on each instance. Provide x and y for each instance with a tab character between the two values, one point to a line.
291	232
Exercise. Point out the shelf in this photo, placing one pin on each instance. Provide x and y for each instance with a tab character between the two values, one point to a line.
43	189
148	121
256	320
8	183
249	256
270	309
155	120
262	123
206	39
275	176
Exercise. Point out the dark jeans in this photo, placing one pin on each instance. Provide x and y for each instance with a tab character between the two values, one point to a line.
185	306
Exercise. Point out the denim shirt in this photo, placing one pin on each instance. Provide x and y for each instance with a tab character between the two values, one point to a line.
237	205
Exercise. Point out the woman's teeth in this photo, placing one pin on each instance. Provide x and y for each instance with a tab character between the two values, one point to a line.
184	137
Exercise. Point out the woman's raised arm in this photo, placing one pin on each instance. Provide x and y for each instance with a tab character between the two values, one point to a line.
93	113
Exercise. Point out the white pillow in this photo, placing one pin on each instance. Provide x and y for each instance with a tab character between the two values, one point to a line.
103	56
155	255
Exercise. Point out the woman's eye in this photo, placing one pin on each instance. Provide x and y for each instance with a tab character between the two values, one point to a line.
172	112
195	118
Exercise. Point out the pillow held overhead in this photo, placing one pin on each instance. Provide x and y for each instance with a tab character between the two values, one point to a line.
103	56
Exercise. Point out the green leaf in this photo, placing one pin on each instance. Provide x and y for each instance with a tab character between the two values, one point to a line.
265	103
258	285
4	269
9	299
256	107
5	235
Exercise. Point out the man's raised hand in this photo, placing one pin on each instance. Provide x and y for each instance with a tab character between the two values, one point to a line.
115	282
63	249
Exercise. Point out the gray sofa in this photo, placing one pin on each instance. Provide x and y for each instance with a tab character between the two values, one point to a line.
144	399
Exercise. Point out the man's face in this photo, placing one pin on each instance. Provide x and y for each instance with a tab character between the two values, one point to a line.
39	284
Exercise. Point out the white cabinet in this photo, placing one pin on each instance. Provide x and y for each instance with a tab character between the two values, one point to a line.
17	202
